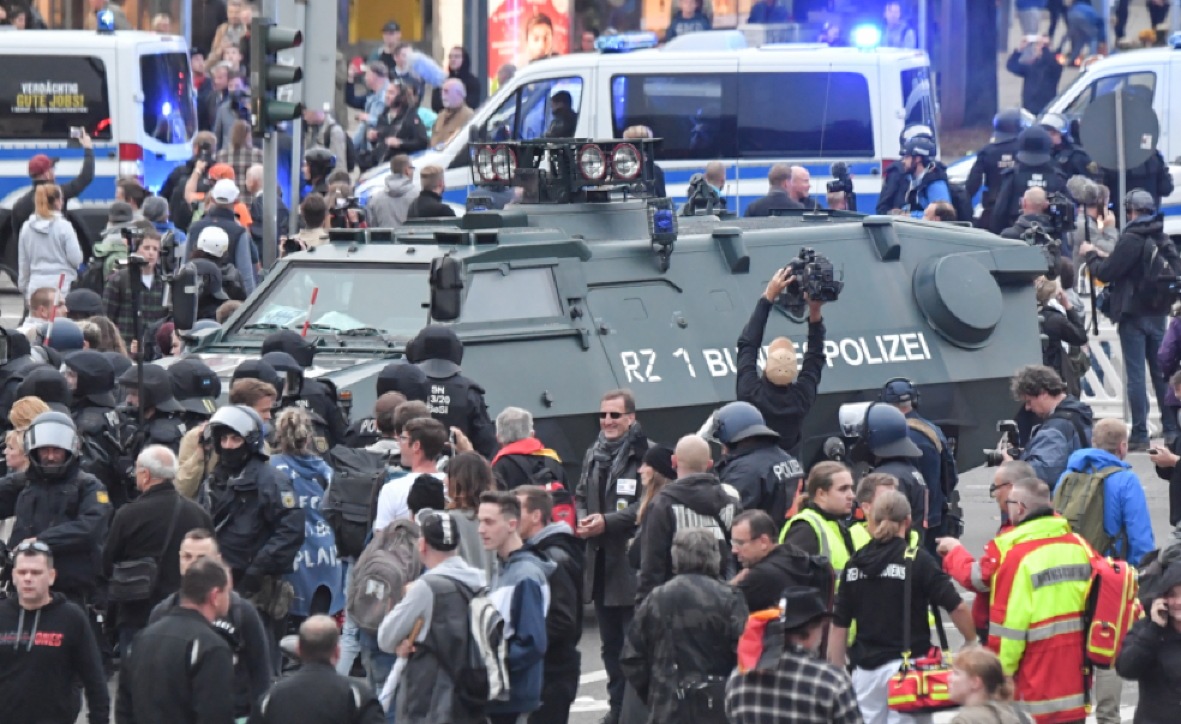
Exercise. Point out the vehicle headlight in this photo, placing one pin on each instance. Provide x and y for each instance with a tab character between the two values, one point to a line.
625	160
592	164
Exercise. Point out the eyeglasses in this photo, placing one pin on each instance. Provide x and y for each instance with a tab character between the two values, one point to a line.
32	545
1010	501
612	415
992	489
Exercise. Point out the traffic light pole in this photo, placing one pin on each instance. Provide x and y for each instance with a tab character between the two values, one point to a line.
270	173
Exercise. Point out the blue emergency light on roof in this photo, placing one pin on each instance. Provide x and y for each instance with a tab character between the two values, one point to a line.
866	37
1175	41
626	42
105	21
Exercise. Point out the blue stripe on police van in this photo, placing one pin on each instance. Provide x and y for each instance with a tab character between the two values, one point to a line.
682	175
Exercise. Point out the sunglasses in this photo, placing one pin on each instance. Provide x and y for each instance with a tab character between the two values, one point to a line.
612	415
32	545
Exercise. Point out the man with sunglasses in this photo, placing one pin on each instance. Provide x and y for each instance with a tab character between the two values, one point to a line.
608	495
46	647
976	575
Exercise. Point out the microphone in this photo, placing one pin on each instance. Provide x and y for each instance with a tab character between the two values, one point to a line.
834	448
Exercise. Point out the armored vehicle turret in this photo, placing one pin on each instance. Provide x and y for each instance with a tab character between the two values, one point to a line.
586	284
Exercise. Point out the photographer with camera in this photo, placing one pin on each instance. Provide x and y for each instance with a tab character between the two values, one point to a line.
1142	273
1065	427
173	190
783	393
841	185
42	171
344	211
1062	327
1034	206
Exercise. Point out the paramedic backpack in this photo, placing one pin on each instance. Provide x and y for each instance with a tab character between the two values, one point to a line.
1112	606
389	562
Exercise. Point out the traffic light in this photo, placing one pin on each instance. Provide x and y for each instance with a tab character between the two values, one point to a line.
267	75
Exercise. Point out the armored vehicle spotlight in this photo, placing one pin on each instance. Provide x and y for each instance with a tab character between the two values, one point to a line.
565	170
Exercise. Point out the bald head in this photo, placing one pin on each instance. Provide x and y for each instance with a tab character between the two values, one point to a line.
691	456
1034	201
715	174
319	640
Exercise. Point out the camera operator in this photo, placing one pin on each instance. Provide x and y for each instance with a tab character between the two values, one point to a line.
783	396
173	190
344	211
705	191
840	190
1137	306
1034	206
1066	421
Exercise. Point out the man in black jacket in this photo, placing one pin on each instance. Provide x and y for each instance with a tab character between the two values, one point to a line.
779	393
778	196
152	526
769	568
49	648
563	620
993	160
41	171
181	668
314	395
1035	168
1140	315
316	692
455	399
429	204
1041	71
1033	213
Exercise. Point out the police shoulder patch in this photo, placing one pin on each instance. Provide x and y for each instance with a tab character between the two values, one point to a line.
287	497
1093	168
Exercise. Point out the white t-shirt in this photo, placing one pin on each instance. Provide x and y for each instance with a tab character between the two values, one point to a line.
391	501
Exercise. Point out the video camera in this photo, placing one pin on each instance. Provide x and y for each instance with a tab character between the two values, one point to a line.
1008	444
814	278
339	213
842	182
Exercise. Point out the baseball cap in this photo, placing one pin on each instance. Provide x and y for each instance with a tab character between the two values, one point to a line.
1139	200
219	171
120	213
224	192
40	164
213	241
438	529
391	26
84	301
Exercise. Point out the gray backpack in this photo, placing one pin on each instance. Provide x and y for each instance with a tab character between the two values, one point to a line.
388	563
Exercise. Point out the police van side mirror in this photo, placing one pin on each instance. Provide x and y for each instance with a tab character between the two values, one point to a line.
446	287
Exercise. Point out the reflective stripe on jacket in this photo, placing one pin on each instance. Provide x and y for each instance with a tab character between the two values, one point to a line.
1036	616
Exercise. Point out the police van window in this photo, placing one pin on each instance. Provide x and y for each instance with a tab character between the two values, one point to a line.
42	97
344	300
1143	83
692	114
169	112
804	115
916	98
521	294
528	112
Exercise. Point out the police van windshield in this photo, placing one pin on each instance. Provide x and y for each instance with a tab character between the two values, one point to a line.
529	112
916	98
753	115
355	300
43	96
170	115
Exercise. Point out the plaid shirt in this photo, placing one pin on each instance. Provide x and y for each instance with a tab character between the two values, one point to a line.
240	159
117	303
801	689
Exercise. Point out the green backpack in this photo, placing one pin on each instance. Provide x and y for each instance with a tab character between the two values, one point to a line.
1079	499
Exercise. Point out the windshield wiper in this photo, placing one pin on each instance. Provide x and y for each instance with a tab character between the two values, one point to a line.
262	325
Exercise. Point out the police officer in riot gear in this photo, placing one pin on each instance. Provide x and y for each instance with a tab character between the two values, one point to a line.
1071	159
48	384
62	506
764	475
926	178
257	521
163	423
91	379
996	158
256	369
291	394
318	396
937	464
887	438
1035	167
397	376
455	400
196	388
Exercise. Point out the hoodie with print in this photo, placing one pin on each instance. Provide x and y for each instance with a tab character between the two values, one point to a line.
43	653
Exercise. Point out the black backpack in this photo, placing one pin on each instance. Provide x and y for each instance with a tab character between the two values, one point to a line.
540	470
350	504
1159	287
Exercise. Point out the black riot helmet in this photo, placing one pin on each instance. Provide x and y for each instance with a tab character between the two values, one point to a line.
156	392
290	342
256	369
93	374
48	384
887	434
1008	123
289	371
401	376
52	429
195	386
437	350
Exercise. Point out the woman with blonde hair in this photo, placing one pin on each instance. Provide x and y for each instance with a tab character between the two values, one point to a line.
978	683
318	578
877	583
24	411
48	246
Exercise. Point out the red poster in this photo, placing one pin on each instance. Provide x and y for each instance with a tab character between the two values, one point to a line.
522	31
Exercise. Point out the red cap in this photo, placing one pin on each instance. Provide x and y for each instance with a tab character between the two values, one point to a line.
40	164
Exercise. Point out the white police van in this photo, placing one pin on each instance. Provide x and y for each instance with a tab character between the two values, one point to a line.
806	104
1154	72
131	91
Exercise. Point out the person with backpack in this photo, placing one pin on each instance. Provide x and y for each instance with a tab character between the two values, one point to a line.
522	458
235	248
521	595
1103	500
696	499
556	543
321	130
1037	629
1139	271
430	628
1065	421
422	440
683	643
